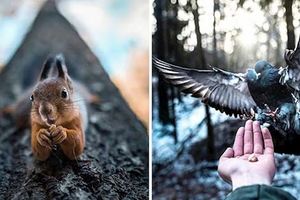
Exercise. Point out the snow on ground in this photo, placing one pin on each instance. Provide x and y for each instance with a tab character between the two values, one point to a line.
188	180
185	179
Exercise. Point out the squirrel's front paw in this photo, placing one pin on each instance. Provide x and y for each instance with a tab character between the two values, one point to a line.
58	134
43	138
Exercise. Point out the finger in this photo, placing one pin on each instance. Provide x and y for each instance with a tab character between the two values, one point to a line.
45	132
52	128
238	146
55	133
228	153
268	143
45	138
257	138
59	139
248	138
43	142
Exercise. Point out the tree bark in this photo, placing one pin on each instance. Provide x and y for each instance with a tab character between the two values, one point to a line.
114	164
202	62
165	50
288	5
163	106
216	8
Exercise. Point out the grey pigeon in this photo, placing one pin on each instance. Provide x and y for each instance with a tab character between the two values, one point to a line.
264	93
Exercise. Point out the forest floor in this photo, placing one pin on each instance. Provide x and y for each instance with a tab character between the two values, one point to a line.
188	180
190	176
181	171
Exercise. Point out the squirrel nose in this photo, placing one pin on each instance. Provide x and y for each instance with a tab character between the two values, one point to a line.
46	109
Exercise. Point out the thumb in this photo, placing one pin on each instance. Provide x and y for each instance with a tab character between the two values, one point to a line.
228	153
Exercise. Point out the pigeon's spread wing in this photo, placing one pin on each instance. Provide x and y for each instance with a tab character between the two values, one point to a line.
224	91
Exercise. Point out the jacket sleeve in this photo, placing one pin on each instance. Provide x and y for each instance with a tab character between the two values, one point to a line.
260	192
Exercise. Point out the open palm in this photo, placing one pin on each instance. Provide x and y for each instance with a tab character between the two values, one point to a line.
235	166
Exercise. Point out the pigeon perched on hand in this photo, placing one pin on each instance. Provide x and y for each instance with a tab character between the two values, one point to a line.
264	93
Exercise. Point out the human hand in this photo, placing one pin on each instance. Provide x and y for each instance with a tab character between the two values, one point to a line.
234	166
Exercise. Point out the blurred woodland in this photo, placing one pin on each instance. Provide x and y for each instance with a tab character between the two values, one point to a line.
106	27
188	137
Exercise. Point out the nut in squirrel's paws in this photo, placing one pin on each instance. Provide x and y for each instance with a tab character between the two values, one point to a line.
43	138
58	134
252	158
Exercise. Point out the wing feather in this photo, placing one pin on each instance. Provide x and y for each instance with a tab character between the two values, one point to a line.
224	91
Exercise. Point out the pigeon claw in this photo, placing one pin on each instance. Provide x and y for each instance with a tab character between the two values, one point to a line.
272	114
252	112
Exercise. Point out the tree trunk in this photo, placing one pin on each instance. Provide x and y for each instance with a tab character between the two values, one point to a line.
114	164
202	62
173	116
163	106
216	8
289	24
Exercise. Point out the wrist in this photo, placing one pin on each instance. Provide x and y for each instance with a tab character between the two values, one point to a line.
248	179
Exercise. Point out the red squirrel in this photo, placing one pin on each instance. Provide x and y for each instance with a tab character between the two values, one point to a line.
58	112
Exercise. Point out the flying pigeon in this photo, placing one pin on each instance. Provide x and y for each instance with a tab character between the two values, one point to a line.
260	93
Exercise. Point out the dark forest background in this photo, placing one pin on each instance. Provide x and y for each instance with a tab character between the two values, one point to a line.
188	137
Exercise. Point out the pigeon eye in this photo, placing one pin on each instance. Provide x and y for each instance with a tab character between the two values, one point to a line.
31	98
64	94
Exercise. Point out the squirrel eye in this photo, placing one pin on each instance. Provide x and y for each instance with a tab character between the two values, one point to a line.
31	98
64	94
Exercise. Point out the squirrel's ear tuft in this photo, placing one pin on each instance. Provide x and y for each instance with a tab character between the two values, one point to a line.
61	66
46	68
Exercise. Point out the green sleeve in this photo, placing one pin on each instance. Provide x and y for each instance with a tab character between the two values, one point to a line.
259	192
